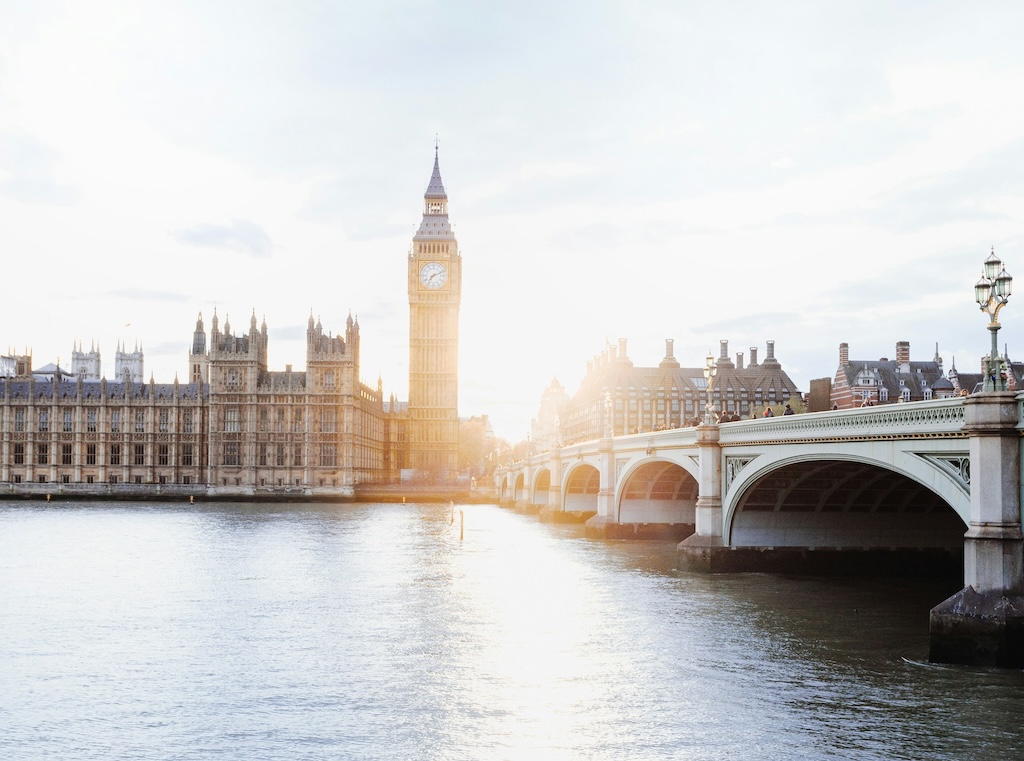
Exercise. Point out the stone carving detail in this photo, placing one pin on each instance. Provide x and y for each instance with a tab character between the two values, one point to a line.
733	466
957	466
620	463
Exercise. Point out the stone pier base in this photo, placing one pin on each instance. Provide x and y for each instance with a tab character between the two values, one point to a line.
708	557
978	629
599	527
552	515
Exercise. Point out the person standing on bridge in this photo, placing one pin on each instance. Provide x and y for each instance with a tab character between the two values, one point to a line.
789	411
768	412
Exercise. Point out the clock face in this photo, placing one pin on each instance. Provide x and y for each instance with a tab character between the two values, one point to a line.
433	275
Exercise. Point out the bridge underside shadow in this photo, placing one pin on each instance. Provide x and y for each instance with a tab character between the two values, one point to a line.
836	517
658	501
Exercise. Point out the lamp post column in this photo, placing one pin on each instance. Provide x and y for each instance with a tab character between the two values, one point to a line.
606	489
983	624
555	484
701	550
992	545
708	520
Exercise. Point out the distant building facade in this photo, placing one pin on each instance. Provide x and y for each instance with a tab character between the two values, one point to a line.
863	383
238	427
617	398
546	428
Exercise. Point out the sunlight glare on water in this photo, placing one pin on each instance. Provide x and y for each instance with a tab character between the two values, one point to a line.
373	632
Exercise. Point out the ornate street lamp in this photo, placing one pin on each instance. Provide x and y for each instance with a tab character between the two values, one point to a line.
710	418
992	292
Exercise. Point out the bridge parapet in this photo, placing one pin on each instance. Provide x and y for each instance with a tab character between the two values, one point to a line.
942	417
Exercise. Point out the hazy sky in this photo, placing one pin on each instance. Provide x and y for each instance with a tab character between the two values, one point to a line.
807	172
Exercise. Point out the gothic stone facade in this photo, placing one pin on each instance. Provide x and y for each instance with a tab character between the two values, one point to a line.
236	428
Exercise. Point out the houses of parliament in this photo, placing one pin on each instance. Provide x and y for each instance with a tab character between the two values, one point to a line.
236	427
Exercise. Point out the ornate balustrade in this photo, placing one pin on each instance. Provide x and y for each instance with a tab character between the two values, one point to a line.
942	417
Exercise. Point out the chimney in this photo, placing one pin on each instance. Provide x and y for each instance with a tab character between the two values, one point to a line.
753	356
723	361
844	354
903	352
739	360
669	360
622	348
769	350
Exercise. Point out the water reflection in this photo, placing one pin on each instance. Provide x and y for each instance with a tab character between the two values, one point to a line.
372	631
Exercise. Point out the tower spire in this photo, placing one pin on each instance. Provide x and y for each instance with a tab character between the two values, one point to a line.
435	224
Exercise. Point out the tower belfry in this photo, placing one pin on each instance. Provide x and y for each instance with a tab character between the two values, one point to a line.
435	292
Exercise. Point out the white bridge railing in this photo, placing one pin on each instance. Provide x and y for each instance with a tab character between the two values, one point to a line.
936	418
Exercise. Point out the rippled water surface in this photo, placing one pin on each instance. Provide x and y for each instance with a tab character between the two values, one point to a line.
372	632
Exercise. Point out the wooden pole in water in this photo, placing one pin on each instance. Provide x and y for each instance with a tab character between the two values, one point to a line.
462	524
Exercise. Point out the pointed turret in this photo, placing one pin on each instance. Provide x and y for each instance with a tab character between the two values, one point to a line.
435	224
435	188
199	337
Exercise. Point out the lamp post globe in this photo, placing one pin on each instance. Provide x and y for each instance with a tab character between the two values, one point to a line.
709	376
992	292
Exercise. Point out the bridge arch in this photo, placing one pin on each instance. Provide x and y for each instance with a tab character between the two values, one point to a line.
844	501
582	484
541	484
519	489
657	491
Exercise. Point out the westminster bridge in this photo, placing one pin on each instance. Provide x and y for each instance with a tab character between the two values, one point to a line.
926	480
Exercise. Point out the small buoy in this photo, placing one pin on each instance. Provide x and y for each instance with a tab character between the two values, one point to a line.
403	500
191	499
47	497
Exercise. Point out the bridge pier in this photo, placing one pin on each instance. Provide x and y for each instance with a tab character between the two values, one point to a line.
702	550
983	624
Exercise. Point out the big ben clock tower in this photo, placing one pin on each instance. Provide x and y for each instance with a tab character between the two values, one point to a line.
435	290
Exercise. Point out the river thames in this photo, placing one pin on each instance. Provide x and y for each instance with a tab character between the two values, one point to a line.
371	631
